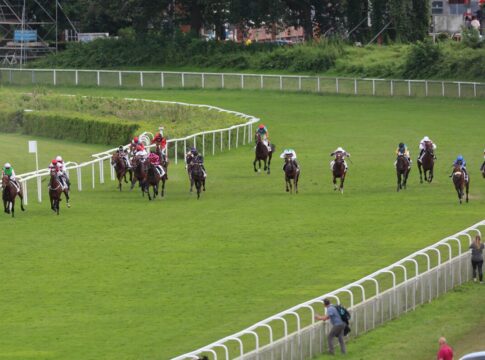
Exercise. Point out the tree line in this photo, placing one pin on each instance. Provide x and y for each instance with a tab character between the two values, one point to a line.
406	20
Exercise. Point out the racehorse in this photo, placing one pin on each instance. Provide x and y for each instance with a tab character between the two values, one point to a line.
339	171
120	168
291	173
460	183
9	194
139	174
482	169
197	177
55	191
262	153
164	164
152	179
403	167
427	163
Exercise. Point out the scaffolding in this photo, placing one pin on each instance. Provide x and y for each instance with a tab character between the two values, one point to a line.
29	30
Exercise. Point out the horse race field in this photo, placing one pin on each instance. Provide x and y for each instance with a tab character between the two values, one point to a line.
118	277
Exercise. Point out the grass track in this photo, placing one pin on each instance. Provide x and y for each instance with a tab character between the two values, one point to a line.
116	277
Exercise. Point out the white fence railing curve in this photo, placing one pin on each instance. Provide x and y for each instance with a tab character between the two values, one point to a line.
372	300
308	83
219	139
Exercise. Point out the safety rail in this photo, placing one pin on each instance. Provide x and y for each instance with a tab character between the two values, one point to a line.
308	83
446	265
226	138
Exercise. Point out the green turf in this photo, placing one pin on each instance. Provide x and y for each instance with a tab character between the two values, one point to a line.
116	277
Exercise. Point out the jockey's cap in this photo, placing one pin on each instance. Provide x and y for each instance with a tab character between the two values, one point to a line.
135	139
7	165
401	145
426	139
59	158
120	148
54	162
193	150
339	149
459	158
261	126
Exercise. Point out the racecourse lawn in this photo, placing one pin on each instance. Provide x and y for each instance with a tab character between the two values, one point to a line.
118	277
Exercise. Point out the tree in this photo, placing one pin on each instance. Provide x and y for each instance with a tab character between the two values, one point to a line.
357	14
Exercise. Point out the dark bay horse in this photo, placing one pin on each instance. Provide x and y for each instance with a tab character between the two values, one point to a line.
262	153
121	169
55	191
291	173
403	167
9	194
197	176
139	174
482	169
339	171
460	183
164	164
152	179
427	163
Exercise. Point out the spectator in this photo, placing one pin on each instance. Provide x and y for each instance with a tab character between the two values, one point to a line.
338	326
445	352
479	15
468	22
477	259
475	24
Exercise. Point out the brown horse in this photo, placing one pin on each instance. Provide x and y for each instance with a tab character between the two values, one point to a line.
120	168
139	173
339	171
164	162
482	169
262	153
460	182
55	191
197	176
427	164
152	179
291	173
403	167
9	194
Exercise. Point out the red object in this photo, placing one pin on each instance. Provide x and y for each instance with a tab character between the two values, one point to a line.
160	139
261	126
139	148
154	159
54	162
445	353
135	139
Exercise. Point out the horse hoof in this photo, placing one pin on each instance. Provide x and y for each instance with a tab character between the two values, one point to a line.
68	205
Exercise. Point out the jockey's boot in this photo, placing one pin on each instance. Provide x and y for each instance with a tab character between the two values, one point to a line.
15	184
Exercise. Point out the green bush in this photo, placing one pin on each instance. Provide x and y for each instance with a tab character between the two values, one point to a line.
423	60
11	121
471	38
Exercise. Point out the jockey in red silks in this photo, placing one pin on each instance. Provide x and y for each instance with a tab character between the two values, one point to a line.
141	152
155	160
161	141
62	173
133	145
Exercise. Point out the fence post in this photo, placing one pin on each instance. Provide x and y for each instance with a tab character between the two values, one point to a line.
39	189
112	171
54	77
92	174
222	80
281	82
162	80
141	78
244	135
337	85
229	139
221	140
33	77
176	153
195	141
237	137
213	143
242	81
185	145
426	88
202	80
183	79
475	89
409	87
373	87
355	86
392	87
79	179
10	76
299	83
25	192
203	144
97	78
459	89
318	84
262	82
101	172
120	80
443	88
76	75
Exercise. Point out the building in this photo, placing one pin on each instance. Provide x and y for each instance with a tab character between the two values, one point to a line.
449	15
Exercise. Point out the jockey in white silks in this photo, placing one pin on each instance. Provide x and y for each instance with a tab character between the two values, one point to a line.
344	154
422	146
291	155
62	173
141	153
263	132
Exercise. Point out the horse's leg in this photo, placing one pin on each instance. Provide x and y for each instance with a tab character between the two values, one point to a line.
254	164
296	182
203	184
12	206
334	182
270	155
259	163
399	181
67	198
265	164
467	187
198	186
431	175
342	179
420	173
5	203
406	178
162	193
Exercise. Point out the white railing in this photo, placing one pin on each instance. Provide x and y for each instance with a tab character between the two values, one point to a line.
372	300
171	79
207	142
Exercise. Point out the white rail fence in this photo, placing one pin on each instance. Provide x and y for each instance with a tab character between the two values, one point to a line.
207	142
372	300
170	79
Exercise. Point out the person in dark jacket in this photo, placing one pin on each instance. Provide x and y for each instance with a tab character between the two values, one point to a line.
477	259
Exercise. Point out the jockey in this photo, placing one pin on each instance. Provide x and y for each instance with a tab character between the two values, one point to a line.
199	159
422	147
121	152
460	161
53	165
161	141
62	172
134	143
290	154
402	149
342	152
155	161
141	152
263	132
8	170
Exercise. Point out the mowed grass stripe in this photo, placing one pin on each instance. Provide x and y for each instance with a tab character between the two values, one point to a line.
118	277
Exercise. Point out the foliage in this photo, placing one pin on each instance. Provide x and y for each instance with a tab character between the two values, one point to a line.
423	61
471	38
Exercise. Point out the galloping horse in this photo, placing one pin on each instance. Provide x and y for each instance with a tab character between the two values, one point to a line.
482	169
9	195
291	172
427	163
55	192
460	183
120	168
262	153
403	167
139	174
152	179
197	177
339	171
164	164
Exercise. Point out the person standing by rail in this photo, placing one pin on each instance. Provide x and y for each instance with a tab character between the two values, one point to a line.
338	327
477	259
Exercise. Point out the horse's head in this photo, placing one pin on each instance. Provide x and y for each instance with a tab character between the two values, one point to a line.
114	158
4	181
258	137
339	158
53	172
